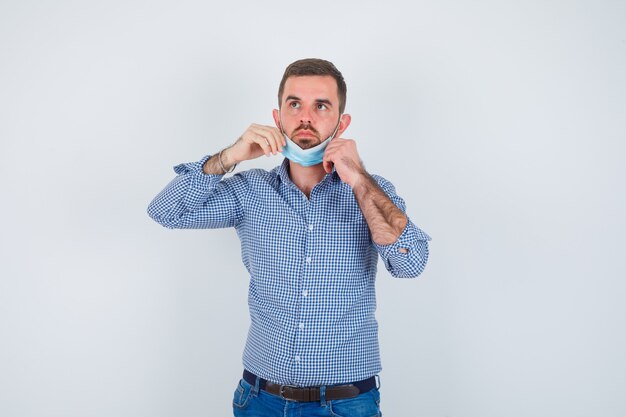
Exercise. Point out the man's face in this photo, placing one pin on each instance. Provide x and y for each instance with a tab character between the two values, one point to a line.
309	109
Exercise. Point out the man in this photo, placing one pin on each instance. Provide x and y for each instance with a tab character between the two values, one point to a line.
311	232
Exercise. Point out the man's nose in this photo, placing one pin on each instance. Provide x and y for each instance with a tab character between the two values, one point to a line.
305	117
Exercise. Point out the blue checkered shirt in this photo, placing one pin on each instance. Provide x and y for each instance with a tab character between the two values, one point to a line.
312	266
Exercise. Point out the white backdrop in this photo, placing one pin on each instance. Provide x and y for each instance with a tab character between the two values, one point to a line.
501	123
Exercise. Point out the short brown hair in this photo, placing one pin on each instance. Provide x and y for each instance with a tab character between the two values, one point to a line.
315	66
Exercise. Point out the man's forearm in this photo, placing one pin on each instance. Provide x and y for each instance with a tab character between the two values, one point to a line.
218	164
386	221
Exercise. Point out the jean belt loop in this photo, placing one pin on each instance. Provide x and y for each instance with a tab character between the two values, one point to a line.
257	384
323	395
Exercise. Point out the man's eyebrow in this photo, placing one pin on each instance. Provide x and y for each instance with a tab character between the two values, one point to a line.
319	100
324	101
292	98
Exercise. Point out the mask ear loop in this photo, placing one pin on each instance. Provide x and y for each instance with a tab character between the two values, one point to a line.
336	128
280	122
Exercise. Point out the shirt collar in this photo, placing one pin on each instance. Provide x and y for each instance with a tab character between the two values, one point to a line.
283	173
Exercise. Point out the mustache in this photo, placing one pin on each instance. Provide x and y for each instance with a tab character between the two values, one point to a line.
305	127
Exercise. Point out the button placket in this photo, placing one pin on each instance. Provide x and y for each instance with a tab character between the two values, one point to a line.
309	228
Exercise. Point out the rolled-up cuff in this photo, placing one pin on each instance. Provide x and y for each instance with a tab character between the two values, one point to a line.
407	256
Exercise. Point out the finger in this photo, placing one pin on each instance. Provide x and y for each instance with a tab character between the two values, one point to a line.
280	138
270	138
262	142
332	145
277	134
327	161
264	139
336	144
277	137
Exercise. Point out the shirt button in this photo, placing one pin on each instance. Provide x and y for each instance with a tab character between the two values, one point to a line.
305	293
301	326
311	227
308	259
297	358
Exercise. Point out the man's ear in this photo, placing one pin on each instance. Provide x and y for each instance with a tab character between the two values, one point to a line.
344	122
276	119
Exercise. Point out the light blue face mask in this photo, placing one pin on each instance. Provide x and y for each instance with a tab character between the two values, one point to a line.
306	157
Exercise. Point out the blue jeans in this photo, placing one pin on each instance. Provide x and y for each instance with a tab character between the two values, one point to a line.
249	401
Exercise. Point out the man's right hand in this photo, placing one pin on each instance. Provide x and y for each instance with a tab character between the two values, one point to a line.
257	140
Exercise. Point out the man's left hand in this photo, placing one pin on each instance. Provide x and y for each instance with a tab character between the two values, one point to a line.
343	154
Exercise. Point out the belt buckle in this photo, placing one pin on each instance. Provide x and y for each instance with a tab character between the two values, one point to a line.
282	391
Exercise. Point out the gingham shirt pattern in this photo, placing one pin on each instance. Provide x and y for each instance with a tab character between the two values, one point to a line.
312	267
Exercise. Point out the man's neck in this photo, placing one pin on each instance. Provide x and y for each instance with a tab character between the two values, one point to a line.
305	178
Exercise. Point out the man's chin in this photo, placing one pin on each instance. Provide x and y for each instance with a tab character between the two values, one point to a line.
307	142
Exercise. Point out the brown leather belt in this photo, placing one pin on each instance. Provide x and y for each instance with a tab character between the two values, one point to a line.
308	394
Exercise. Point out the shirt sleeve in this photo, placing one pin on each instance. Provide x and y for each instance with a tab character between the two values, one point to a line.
195	200
408	255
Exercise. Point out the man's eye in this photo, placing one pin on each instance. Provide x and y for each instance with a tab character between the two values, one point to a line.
294	105
321	106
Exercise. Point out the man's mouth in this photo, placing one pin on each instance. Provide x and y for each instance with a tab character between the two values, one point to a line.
305	133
